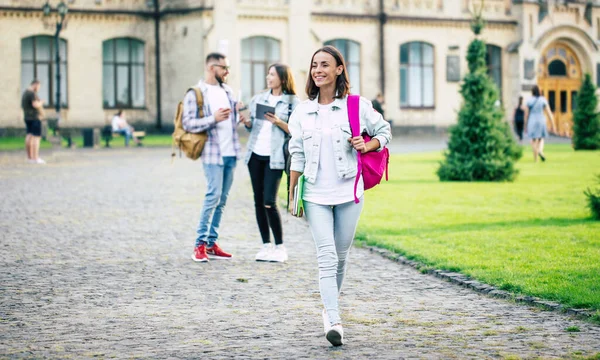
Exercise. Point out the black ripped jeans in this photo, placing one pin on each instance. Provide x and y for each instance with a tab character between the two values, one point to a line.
265	184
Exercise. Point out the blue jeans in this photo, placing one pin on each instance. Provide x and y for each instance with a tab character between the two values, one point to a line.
219	179
126	134
333	229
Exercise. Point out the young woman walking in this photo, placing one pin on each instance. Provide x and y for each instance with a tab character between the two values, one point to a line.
266	157
323	150
536	122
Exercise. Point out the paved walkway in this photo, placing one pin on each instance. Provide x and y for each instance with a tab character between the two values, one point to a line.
95	262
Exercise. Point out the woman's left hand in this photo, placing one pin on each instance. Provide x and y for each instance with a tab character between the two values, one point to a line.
358	143
272	118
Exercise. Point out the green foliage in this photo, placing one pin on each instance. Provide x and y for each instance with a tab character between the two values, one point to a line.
532	236
586	122
481	146
593	198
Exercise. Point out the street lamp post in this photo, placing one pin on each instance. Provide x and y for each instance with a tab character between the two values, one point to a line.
62	10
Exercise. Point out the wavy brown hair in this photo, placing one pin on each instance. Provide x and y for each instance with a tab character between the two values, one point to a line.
342	83
288	85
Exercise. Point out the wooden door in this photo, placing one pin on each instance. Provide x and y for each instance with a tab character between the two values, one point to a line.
561	95
559	79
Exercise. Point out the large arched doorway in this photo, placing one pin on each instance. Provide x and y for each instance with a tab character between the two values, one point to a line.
559	78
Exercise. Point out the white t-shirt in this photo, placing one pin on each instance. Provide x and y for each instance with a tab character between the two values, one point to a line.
328	188
263	140
217	98
116	123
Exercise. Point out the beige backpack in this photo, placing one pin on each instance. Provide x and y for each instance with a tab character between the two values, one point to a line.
191	144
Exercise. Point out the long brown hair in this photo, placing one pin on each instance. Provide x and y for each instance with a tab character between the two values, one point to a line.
288	85
342	83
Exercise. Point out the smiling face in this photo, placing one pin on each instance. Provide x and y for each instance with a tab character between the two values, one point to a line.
220	70
273	80
324	69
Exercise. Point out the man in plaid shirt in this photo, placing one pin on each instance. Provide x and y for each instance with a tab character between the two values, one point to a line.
221	151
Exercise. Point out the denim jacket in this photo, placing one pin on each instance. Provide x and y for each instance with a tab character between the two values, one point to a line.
282	110
305	128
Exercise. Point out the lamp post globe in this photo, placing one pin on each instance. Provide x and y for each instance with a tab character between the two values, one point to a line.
46	9
62	9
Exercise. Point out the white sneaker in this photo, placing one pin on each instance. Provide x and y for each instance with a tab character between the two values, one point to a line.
335	335
40	161
326	324
279	254
265	252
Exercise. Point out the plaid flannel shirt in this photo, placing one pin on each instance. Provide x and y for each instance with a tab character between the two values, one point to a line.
192	123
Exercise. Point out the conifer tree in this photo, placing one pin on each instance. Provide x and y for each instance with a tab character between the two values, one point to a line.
481	146
586	123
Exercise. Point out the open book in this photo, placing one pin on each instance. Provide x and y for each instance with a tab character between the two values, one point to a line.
298	205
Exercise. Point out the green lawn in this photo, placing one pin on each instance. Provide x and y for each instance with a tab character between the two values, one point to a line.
18	143
533	236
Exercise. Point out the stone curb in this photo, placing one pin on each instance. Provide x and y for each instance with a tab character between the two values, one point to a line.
479	287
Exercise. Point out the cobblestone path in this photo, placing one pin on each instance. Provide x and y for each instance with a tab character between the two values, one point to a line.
95	262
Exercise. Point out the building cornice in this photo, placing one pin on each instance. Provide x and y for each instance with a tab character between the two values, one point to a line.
145	14
595	4
411	18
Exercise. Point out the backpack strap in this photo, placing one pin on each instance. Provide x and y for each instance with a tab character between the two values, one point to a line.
199	100
354	119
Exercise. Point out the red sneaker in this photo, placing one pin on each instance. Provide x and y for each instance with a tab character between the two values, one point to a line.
200	254
216	252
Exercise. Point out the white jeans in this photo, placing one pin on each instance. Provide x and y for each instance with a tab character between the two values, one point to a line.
333	229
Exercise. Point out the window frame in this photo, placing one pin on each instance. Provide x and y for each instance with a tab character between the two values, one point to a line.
490	67
50	103
346	54
252	61
130	66
421	65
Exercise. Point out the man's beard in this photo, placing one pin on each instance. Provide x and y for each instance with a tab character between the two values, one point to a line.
220	79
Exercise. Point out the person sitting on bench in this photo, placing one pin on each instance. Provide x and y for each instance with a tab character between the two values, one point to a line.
120	126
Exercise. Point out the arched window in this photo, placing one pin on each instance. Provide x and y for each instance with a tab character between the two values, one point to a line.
417	77
351	52
123	73
557	68
258	53
38	61
493	60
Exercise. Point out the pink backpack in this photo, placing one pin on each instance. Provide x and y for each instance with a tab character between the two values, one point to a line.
373	164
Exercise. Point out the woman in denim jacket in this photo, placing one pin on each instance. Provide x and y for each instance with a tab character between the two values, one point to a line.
266	159
323	149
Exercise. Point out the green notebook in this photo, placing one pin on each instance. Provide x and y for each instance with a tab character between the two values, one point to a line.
298	206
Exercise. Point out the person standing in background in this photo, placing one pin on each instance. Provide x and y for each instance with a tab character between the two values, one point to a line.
221	151
32	113
519	119
378	104
266	157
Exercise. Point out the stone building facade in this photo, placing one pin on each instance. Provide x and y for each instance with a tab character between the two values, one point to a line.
141	55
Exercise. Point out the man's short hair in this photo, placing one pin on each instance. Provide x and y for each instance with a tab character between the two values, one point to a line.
214	56
35	81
